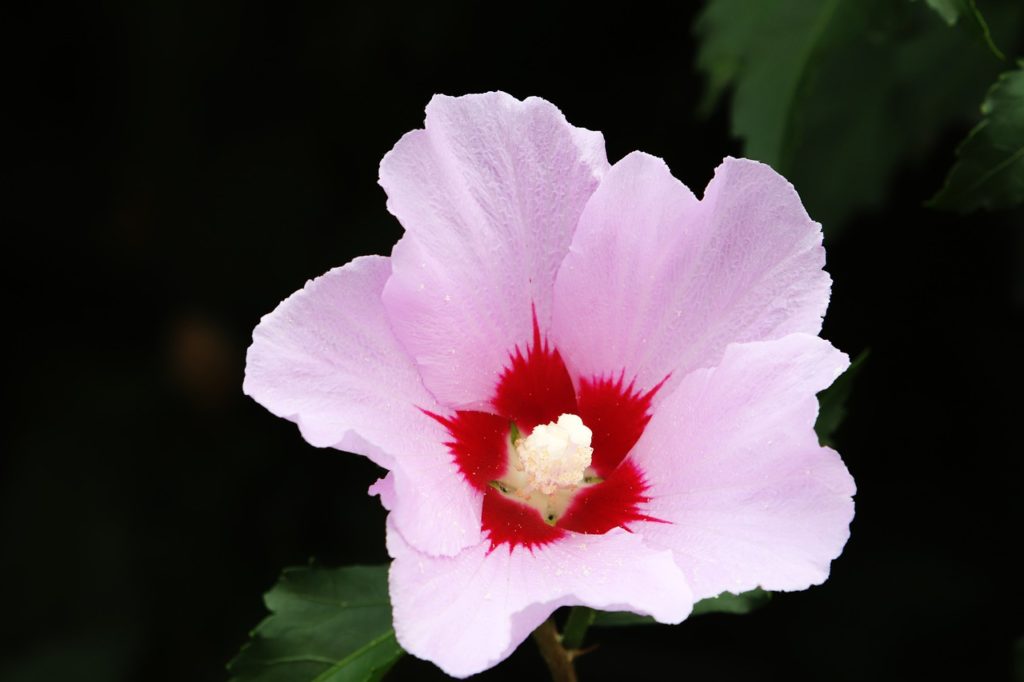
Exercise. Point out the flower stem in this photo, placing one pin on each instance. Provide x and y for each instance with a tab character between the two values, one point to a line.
580	618
558	658
560	650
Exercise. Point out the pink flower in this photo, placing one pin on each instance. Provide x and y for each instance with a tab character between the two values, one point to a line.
588	386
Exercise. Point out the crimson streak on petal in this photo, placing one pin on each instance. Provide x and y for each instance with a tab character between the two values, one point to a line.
478	445
535	388
614	503
617	413
507	521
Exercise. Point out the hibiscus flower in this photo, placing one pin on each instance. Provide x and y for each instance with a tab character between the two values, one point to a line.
588	387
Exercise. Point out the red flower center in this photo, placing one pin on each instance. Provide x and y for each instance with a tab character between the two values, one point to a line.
536	389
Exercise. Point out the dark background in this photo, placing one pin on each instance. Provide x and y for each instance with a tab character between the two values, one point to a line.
178	169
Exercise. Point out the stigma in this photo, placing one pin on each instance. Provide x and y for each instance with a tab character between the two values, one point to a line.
555	455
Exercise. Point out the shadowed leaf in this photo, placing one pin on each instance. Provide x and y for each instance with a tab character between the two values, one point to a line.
832	401
726	602
952	11
989	170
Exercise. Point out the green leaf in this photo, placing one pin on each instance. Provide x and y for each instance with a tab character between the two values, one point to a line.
952	11
726	602
325	625
989	170
832	401
838	95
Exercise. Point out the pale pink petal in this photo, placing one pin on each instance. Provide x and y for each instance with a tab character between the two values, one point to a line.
435	508
384	488
468	612
658	283
489	194
327	360
747	495
437	515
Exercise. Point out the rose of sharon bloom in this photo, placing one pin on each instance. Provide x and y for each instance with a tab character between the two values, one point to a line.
588	386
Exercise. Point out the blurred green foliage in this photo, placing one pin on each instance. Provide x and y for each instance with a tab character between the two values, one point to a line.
839	95
952	11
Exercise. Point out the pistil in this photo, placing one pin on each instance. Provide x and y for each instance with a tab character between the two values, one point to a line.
549	466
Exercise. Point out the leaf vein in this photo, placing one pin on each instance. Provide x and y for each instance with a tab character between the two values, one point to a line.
354	655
